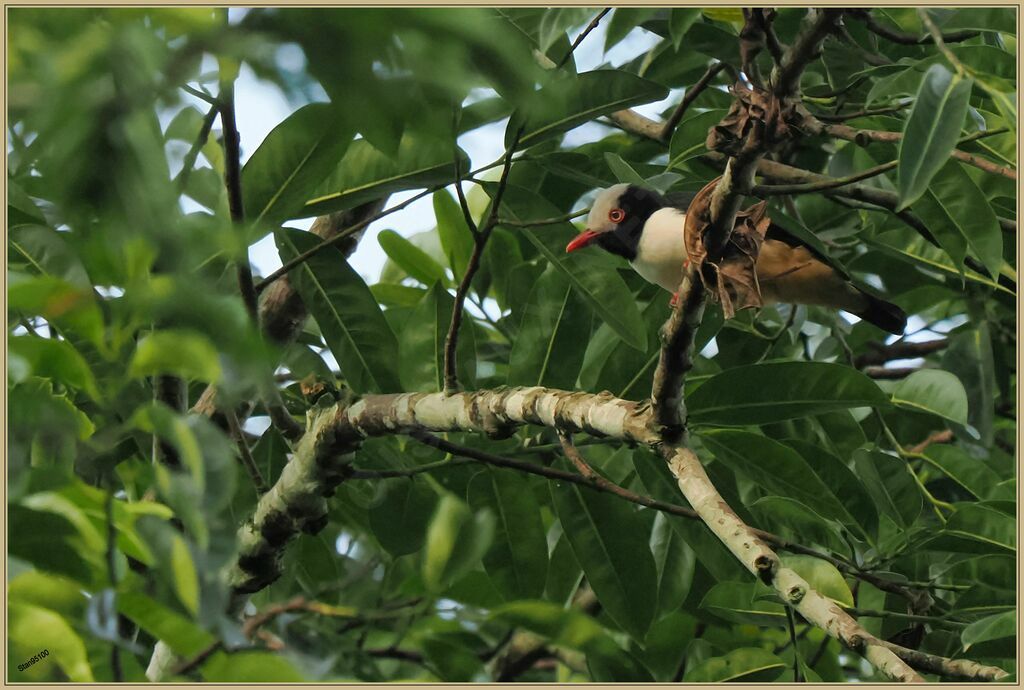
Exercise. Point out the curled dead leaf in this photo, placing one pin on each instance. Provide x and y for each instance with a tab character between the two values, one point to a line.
732	279
754	112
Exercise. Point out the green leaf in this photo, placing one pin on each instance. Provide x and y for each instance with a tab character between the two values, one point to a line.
603	289
933	391
292	162
961	218
622	170
611	544
975	528
185	638
737	602
991	628
247	666
410	258
624	20
346	311
679	22
57	360
456	541
186	580
889	481
547	351
748	664
774	467
51	542
568	103
30	630
772	392
821	576
517	561
59	302
970	473
970	357
676	563
365	173
185	353
690	137
789	516
421	350
47	252
931	131
398	517
455	235
908	245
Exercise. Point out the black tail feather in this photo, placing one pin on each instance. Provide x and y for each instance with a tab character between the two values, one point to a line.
885	315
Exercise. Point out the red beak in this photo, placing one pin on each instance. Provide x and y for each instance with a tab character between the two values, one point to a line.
581	240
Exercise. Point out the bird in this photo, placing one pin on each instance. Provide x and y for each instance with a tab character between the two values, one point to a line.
644	227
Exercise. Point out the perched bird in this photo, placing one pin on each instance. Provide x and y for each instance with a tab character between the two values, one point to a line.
645	228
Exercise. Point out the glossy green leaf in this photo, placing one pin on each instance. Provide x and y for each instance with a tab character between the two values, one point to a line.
455	235
183	636
247	666
400	514
517	561
57	360
32	629
775	467
178	352
347	313
974	528
970	473
771	392
570	102
737	602
547	350
622	170
624	20
822	576
675	561
970	357
456	542
908	245
961	218
690	136
679	22
932	131
933	391
413	260
610	542
749	664
293	161
890	483
421	349
990	628
365	173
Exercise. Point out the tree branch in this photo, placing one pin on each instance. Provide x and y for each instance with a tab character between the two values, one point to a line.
760	560
233	182
879	353
451	341
906	39
688	98
583	34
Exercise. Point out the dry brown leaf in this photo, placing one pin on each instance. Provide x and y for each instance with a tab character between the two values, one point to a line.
732	280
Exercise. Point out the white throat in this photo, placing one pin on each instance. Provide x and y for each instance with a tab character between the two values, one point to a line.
661	252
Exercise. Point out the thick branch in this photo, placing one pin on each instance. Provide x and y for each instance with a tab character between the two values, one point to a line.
760	560
879	353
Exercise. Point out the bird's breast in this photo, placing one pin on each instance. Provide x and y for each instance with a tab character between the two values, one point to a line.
661	252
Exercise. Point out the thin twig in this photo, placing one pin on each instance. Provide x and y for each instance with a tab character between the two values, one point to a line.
583	34
868	112
233	182
244	454
906	39
831	183
510	223
352	229
202	95
940	43
451	341
688	98
193	153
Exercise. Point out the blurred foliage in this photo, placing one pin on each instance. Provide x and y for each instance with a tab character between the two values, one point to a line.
123	508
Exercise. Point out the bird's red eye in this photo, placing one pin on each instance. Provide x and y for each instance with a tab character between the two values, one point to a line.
616	215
